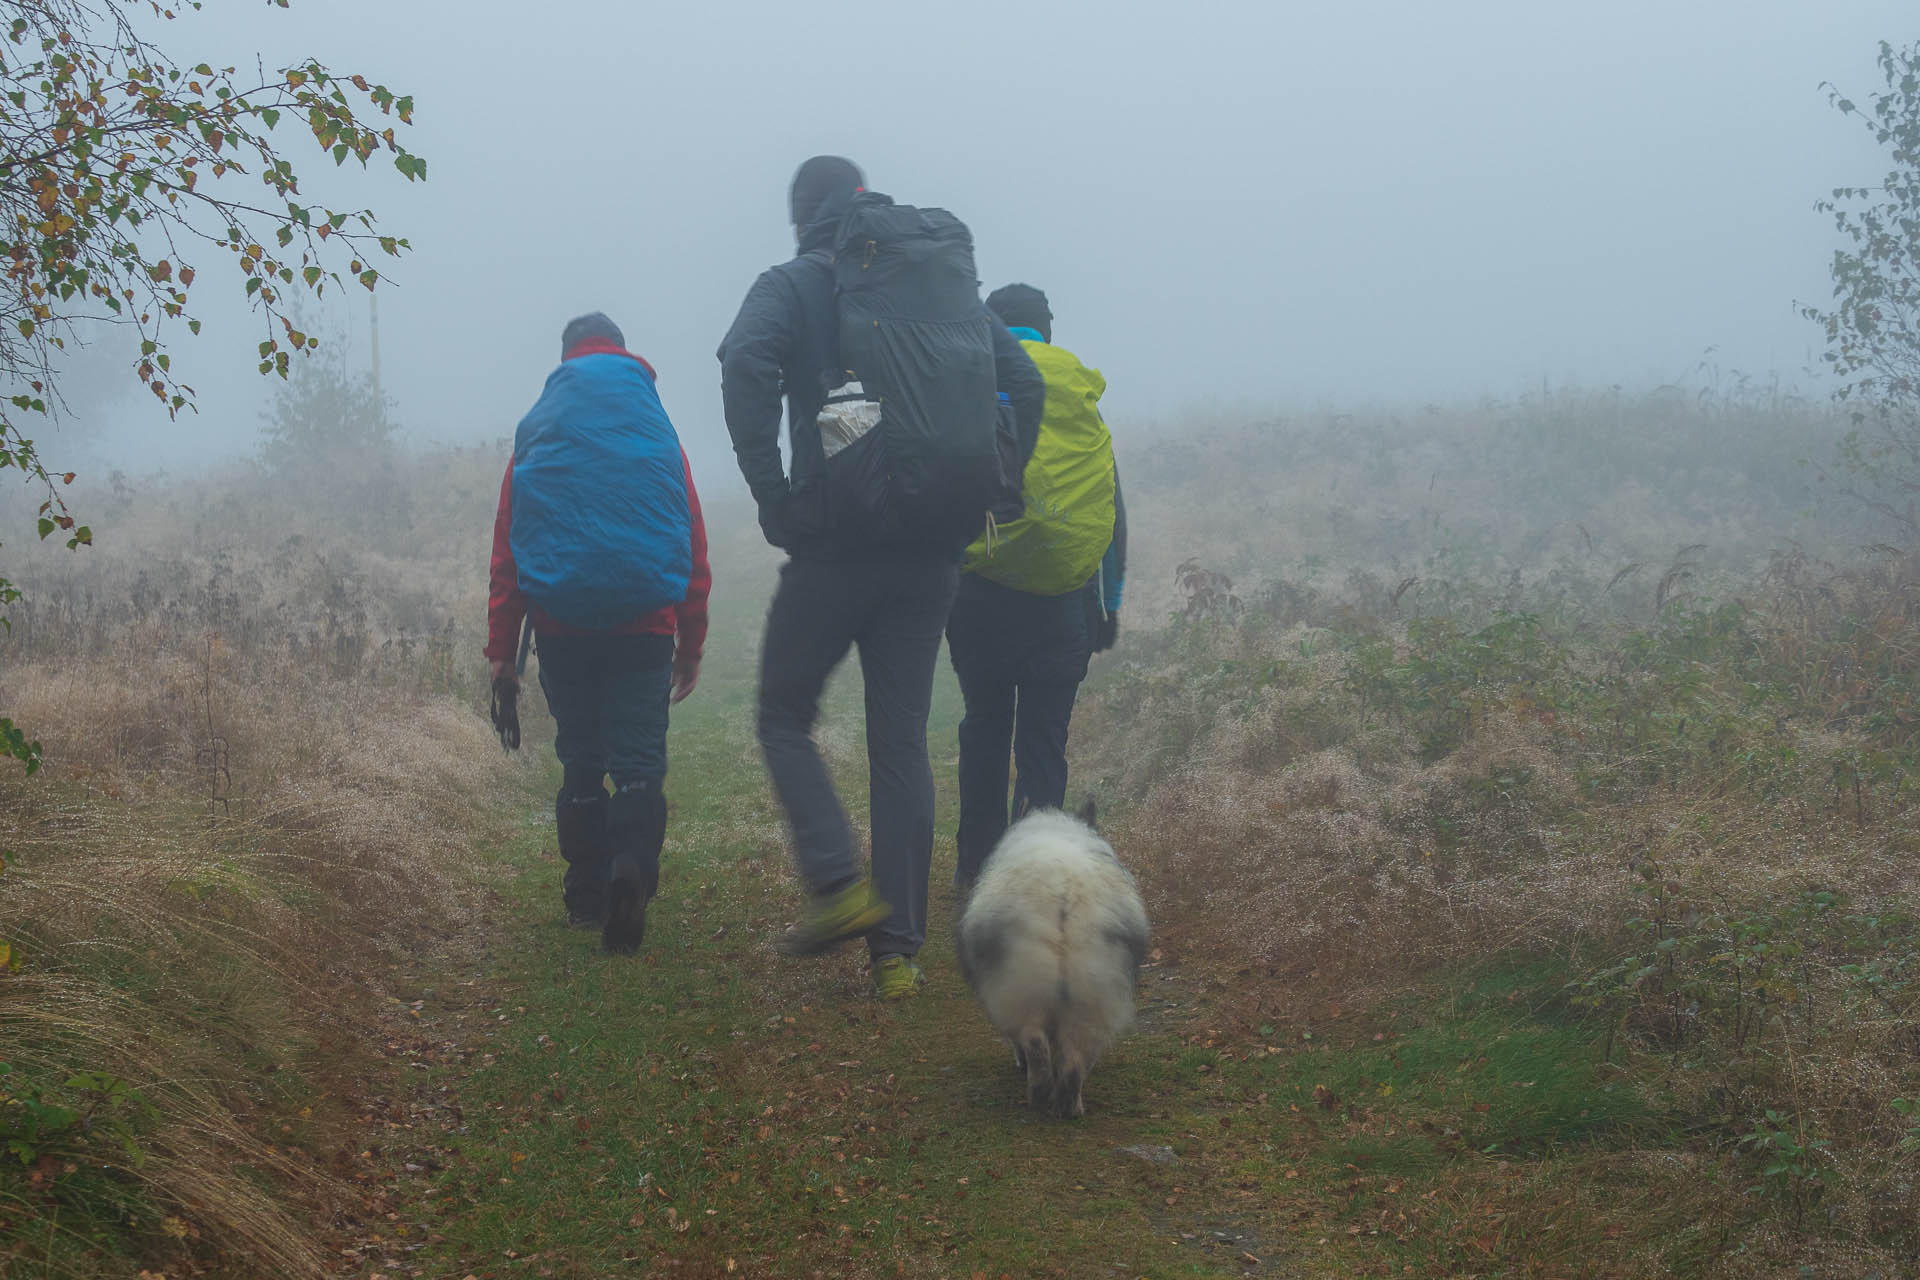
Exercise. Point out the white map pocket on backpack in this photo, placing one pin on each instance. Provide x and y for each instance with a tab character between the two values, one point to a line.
847	416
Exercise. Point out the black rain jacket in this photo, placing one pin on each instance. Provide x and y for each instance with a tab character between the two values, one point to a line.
785	343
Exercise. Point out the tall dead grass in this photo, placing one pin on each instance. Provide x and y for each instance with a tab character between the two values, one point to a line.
1705	819
1300	842
266	779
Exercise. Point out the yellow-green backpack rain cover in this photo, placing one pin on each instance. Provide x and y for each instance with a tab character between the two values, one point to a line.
1056	546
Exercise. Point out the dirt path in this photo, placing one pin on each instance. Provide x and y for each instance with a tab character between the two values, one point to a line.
711	1109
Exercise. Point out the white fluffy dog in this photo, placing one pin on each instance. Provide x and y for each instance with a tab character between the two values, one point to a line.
1051	943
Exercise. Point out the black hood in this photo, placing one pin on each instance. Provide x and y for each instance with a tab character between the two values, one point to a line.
821	233
1021	306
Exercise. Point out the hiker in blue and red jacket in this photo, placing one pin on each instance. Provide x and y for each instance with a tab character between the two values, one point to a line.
599	537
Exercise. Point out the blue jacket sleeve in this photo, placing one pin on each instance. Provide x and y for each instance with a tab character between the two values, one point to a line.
1113	566
1023	386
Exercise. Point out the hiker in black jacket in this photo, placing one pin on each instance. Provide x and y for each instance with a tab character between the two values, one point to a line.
843	588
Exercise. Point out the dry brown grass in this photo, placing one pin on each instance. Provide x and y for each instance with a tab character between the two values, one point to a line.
1307	848
1296	841
221	955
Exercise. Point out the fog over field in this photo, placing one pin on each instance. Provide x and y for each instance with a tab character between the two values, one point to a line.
1231	204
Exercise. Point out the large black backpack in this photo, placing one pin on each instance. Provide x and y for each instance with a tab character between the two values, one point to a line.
916	338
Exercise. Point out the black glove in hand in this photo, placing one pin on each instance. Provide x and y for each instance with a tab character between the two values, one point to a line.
506	711
1106	632
773	524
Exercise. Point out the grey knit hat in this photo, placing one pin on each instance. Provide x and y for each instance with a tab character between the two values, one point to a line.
588	327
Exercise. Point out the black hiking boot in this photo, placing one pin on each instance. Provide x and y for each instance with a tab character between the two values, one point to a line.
636	830
581	824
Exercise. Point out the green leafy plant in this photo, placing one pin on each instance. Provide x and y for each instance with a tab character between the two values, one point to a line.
1909	1108
37	1121
14	743
1793	1168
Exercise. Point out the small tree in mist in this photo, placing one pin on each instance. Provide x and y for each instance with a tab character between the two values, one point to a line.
328	437
120	167
1873	330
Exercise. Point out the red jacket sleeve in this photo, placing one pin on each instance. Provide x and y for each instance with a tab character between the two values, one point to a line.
506	607
690	615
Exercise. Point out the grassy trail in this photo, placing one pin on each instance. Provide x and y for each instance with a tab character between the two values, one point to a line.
711	1109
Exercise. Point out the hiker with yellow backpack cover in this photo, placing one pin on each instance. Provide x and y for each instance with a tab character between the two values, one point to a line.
1039	594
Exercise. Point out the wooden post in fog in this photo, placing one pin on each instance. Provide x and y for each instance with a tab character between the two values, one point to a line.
373	328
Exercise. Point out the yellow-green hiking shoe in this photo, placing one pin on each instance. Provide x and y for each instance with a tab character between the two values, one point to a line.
834	918
897	977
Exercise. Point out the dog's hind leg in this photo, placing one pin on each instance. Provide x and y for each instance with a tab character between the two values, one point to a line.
1039	1064
1066	1097
1070	1067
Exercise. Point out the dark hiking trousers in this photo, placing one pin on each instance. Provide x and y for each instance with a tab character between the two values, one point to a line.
892	611
1020	659
609	696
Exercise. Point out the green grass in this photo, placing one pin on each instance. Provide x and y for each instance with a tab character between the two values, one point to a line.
709	1108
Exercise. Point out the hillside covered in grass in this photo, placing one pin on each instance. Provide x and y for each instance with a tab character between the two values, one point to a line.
1523	793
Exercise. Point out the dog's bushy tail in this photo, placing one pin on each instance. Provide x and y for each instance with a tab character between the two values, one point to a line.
1052	944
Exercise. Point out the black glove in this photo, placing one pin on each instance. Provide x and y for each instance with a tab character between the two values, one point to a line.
1106	632
773	523
506	712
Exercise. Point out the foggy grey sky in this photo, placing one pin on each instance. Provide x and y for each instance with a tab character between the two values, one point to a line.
1264	204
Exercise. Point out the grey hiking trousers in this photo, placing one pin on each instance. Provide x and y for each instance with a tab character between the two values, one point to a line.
893	611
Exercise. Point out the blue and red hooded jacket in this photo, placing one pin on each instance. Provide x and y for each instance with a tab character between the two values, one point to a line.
507	607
